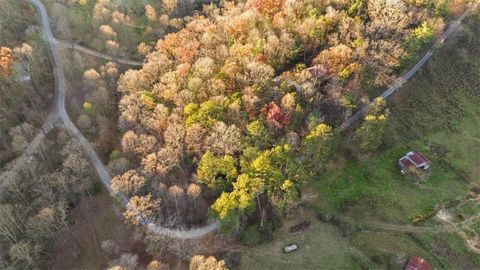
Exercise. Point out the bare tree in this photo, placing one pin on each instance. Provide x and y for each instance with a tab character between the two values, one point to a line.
224	139
176	193
130	182
77	164
10	225
194	191
23	254
195	139
22	135
141	208
157	265
126	261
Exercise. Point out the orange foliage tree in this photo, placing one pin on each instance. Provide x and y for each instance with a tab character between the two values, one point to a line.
5	61
266	7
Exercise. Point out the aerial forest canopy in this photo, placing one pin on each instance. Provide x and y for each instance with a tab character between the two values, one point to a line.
226	115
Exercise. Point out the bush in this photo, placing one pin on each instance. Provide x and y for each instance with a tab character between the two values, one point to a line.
94	187
115	154
251	236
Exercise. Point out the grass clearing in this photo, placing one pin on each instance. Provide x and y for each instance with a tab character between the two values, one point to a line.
392	250
450	250
378	188
320	247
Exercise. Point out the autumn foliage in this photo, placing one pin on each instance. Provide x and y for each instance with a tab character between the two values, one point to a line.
5	61
228	104
276	116
266	7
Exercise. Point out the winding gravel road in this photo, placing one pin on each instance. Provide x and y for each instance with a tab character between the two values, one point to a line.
58	117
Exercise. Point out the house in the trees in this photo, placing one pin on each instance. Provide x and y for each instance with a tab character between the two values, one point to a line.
414	160
417	263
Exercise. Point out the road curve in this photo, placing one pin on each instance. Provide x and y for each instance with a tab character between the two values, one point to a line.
59	117
400	81
68	45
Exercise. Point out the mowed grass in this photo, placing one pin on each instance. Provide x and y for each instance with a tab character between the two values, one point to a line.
463	147
320	247
435	113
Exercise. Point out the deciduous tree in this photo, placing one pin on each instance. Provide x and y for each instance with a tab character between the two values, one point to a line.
199	262
141	208
318	145
371	132
22	135
224	139
216	172
11	226
129	183
157	265
194	192
6	58
150	13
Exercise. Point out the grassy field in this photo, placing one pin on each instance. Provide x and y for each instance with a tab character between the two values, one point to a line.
392	250
436	113
377	188
450	251
321	247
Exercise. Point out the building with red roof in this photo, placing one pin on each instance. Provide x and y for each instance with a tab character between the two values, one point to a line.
417	263
415	160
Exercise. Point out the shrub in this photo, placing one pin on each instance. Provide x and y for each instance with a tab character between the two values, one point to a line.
251	236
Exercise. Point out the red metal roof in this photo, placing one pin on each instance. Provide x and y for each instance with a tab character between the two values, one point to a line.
418	158
416	263
405	162
414	159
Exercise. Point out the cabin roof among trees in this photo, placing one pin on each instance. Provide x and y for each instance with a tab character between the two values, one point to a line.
414	159
417	263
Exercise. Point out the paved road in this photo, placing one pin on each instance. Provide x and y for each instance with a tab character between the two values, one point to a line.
59	117
61	44
400	81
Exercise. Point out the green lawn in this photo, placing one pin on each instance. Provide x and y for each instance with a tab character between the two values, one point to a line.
378	189
392	250
321	247
463	147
